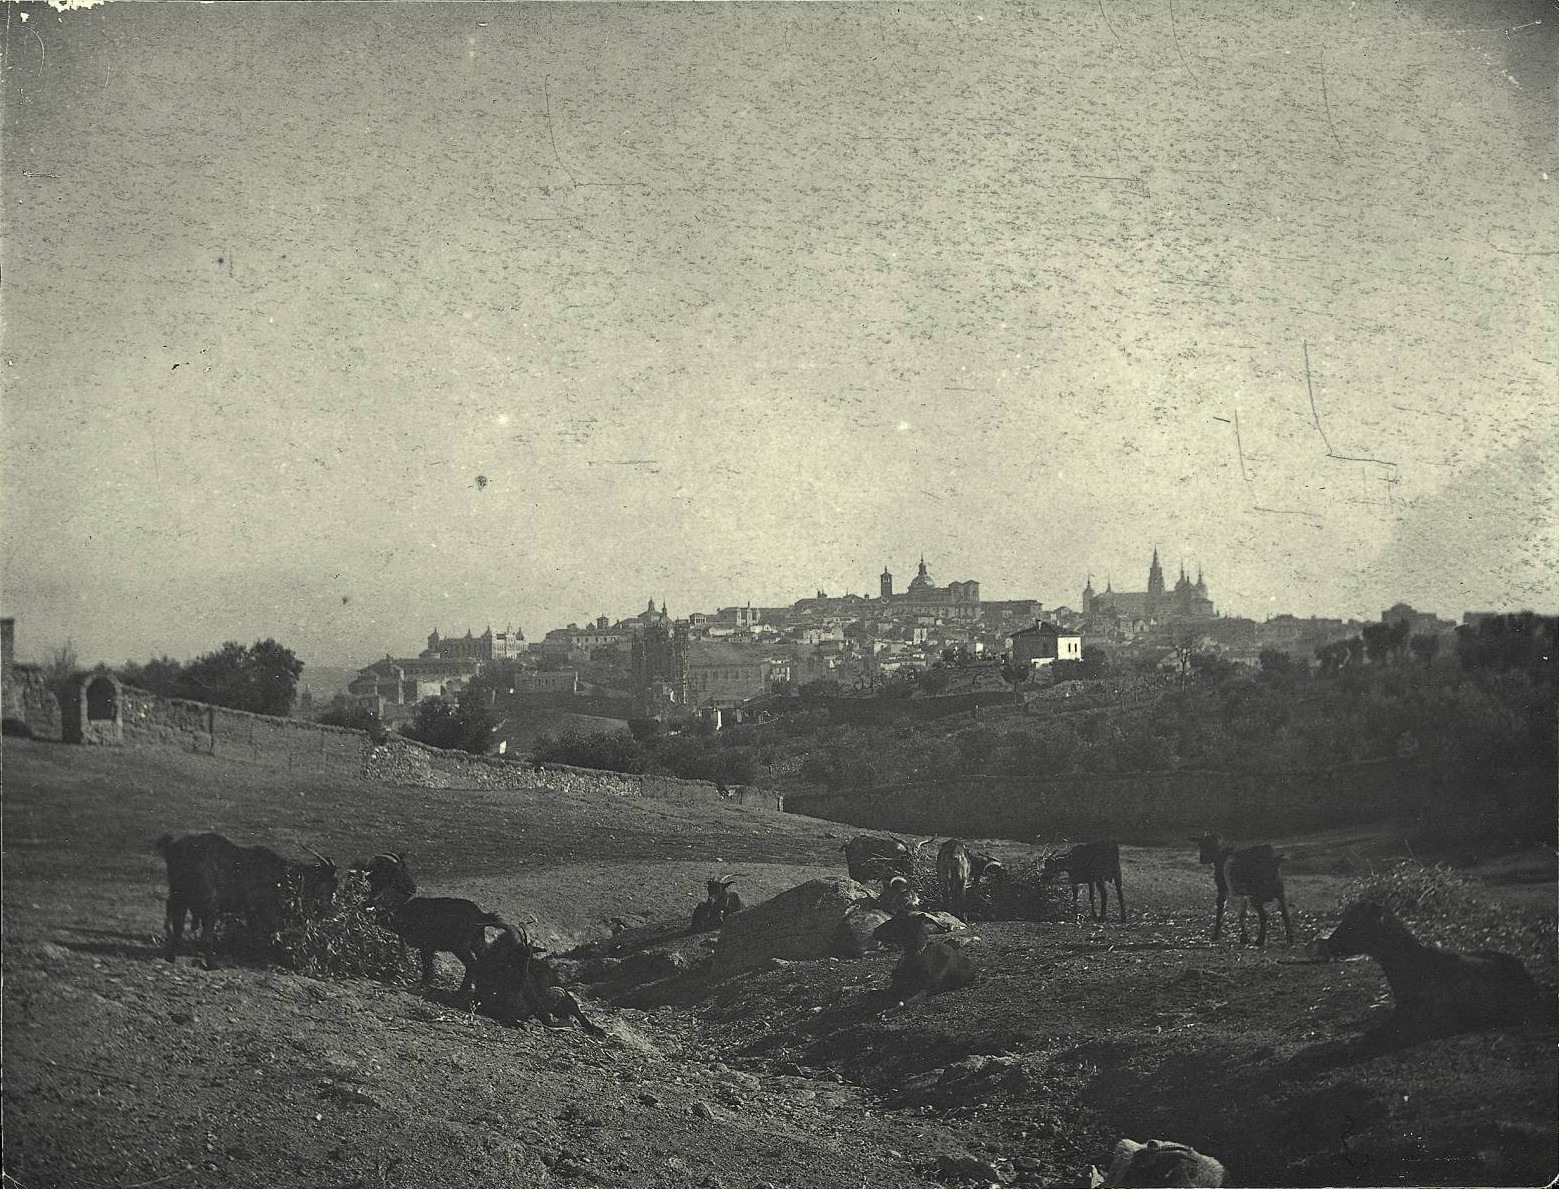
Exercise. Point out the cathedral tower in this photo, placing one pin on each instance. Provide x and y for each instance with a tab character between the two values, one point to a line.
1155	585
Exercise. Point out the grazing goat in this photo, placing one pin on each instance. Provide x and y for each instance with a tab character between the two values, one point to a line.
989	875
1433	986
955	869
1157	1162
389	880
429	924
1096	864
1253	873
871	859
719	902
926	967
513	984
210	877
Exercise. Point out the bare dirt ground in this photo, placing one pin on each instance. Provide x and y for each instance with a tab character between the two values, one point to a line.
123	1070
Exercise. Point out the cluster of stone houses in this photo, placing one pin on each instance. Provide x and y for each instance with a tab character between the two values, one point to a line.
724	658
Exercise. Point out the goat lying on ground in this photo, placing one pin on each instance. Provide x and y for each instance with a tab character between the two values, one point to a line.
897	896
429	924
870	858
1431	986
1096	864
210	877
926	967
513	984
1157	1162
719	902
1252	873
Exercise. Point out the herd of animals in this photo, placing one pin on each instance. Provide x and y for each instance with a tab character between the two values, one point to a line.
508	977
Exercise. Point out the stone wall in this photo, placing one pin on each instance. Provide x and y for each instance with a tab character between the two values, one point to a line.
30	705
407	762
1142	806
285	744
291	744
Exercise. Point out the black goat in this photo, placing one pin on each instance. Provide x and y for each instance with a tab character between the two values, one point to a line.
1431	986
988	877
389	880
871	859
210	877
926	967
719	902
1096	864
1253	873
429	924
1158	1162
513	984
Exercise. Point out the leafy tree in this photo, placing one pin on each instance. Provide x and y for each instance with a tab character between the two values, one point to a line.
60	669
822	687
644	729
160	676
465	725
1209	666
1383	642
609	751
1277	663
1425	647
358	718
261	678
1509	642
734	765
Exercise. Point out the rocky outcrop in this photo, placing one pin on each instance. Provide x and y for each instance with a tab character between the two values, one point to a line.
805	922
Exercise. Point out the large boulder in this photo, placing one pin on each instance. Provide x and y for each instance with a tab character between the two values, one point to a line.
805	922
854	935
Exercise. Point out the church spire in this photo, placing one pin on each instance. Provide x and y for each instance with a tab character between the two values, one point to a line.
1155	578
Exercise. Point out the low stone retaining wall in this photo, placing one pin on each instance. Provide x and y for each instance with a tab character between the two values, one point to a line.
407	762
292	744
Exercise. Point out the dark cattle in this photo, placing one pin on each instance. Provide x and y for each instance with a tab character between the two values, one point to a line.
1096	864
429	924
210	877
1253	873
955	868
926	967
513	984
871	859
719	902
1434	986
1158	1162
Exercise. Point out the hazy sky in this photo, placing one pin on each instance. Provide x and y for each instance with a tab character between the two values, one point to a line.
341	322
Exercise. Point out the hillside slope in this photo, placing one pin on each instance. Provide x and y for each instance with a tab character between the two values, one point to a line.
123	1069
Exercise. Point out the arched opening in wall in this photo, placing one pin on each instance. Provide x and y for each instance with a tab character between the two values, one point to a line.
101	701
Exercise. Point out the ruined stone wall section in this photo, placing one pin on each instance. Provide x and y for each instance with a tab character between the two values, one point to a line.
30	705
